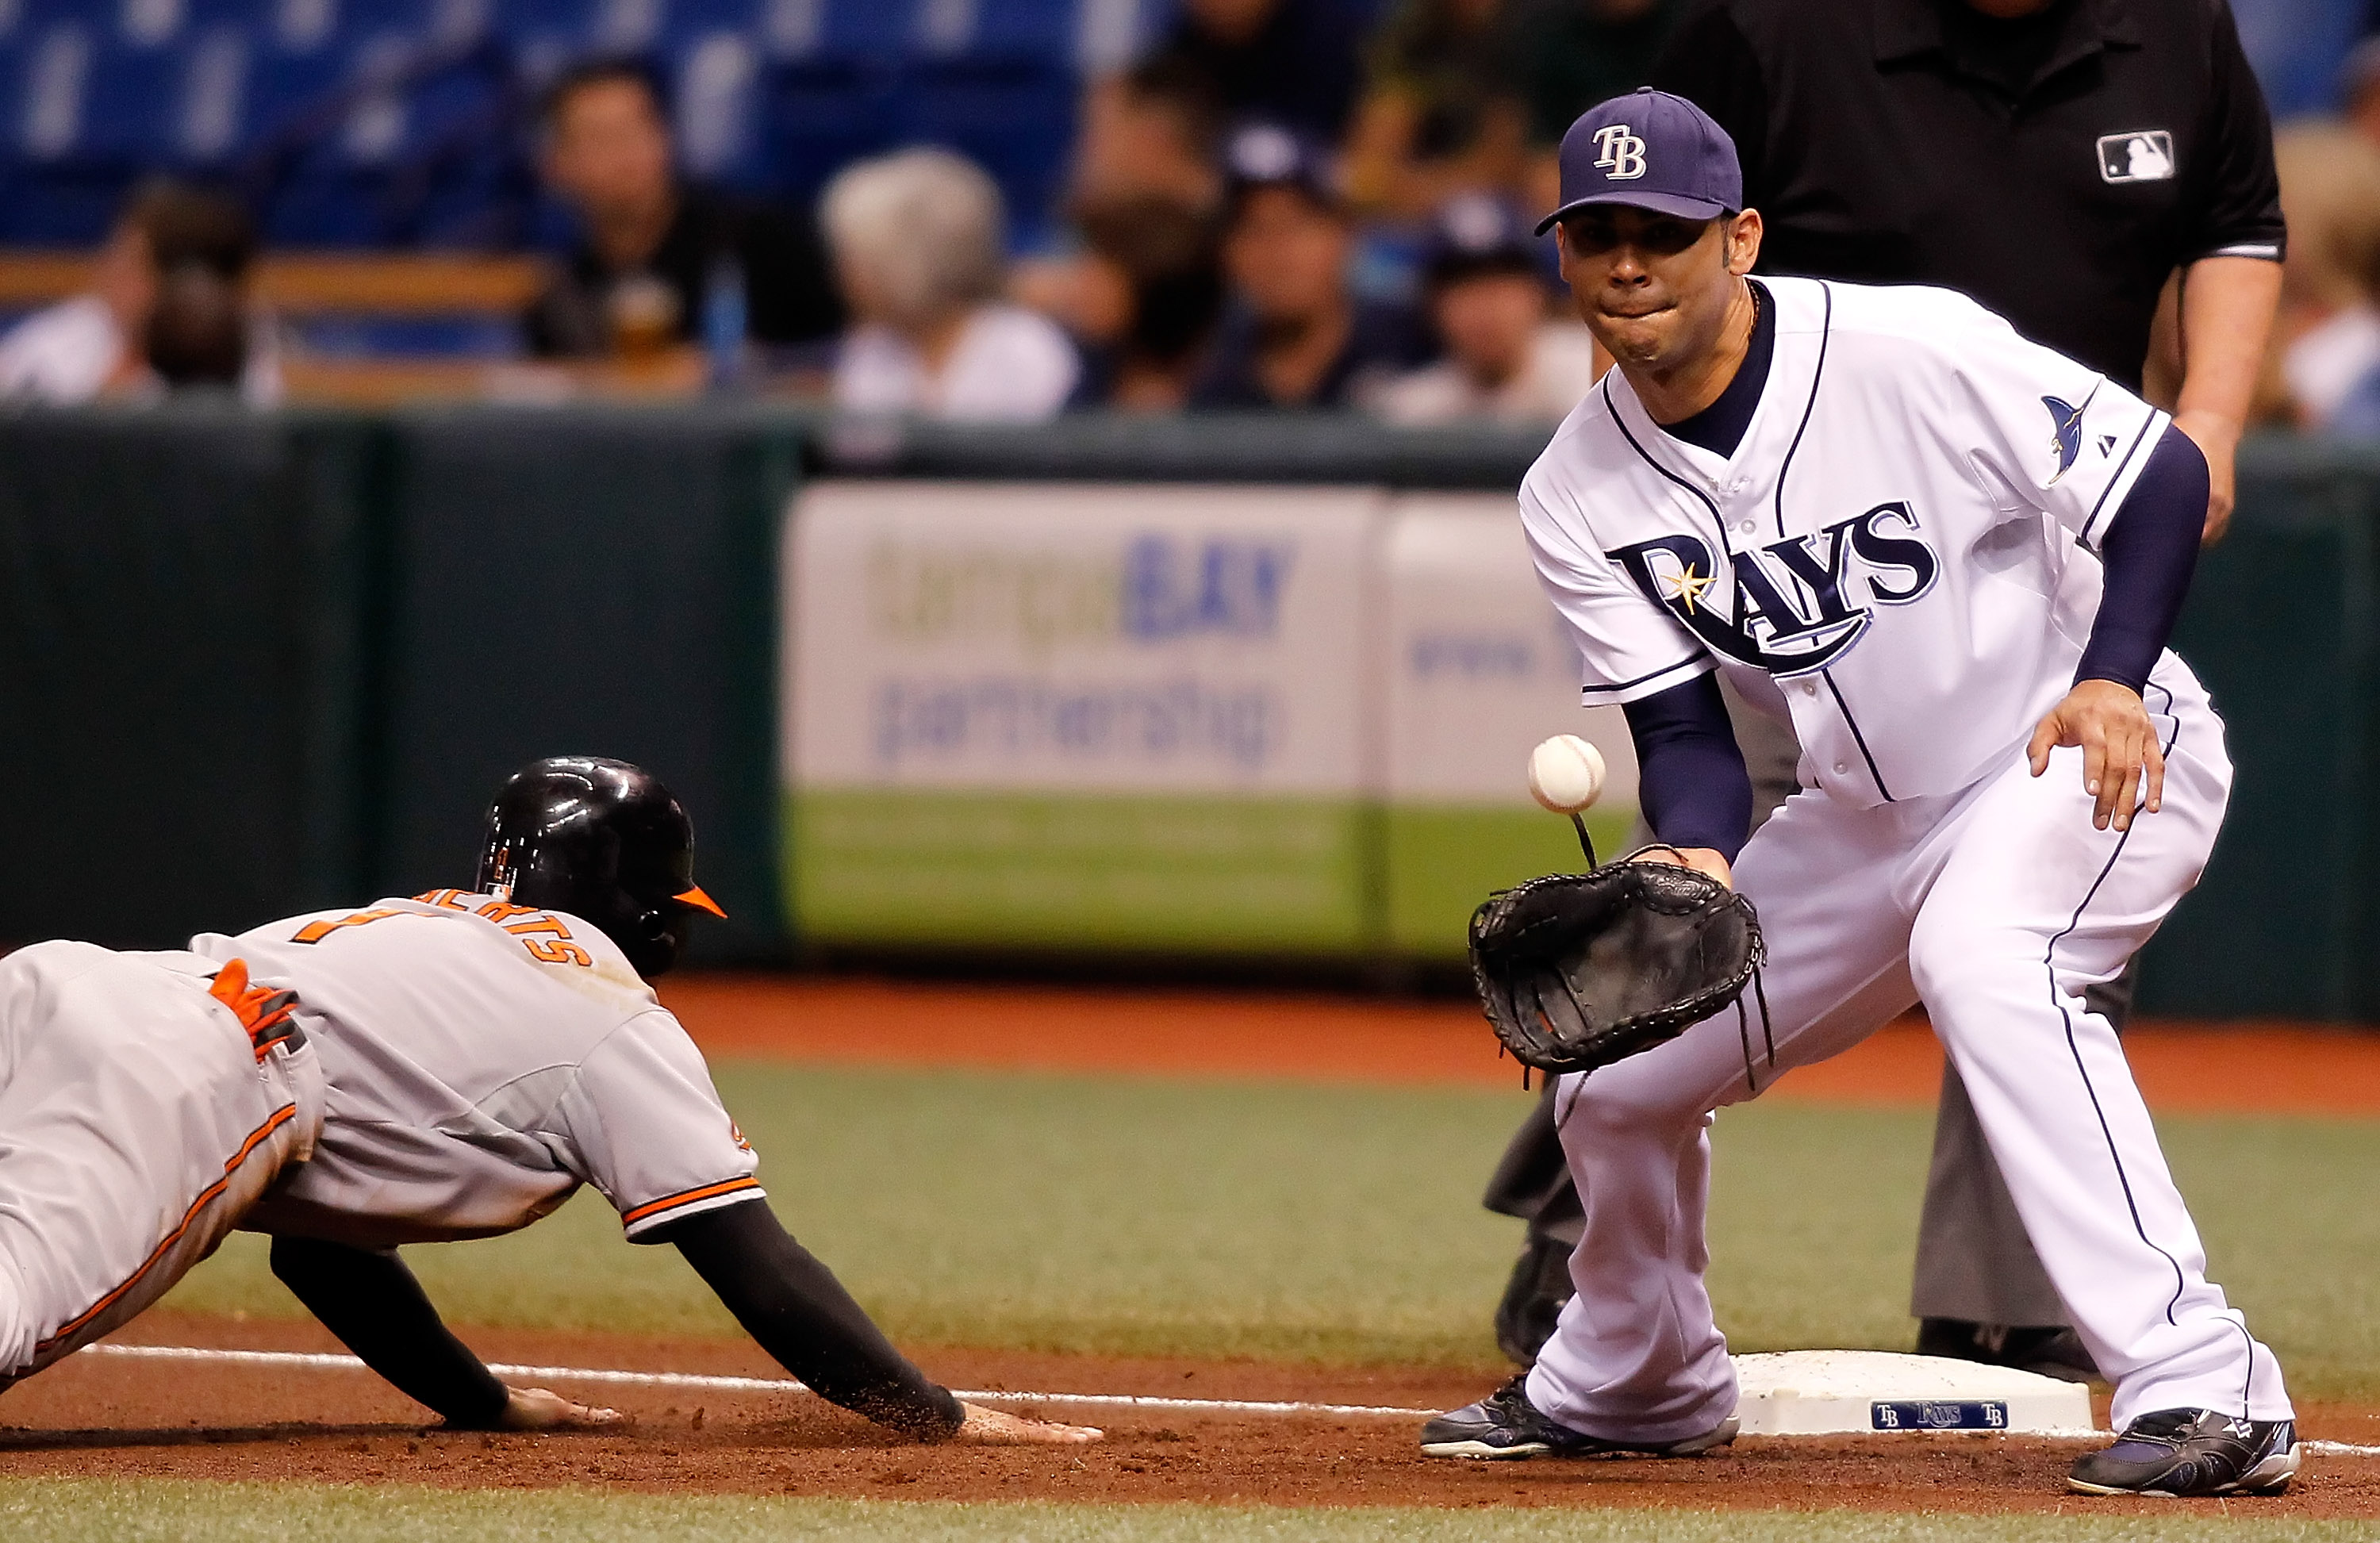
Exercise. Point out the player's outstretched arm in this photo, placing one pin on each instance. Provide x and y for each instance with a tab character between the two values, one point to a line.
376	1307
799	1313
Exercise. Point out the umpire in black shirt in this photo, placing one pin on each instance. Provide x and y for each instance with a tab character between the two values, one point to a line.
2058	161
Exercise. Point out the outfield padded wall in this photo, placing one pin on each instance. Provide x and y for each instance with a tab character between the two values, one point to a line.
588	582
185	667
2283	626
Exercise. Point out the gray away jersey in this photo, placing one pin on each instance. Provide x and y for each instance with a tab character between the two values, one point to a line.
483	1060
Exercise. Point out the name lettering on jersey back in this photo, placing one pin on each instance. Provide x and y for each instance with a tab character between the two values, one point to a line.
546	936
1798	604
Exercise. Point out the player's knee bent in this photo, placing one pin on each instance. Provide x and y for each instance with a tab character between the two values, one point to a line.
1952	966
1619	1101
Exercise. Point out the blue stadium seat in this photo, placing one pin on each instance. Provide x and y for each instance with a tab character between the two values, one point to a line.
718	89
995	80
415	146
399	121
1013	117
821	115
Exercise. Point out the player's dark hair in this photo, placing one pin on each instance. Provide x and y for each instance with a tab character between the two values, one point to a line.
191	227
197	334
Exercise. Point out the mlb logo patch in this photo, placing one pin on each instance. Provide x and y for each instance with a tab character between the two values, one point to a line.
2142	155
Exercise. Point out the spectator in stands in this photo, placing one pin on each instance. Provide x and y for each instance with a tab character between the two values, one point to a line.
2326	338
1150	132
1443	109
654	251
2327	335
1506	358
1294	335
2358	82
1141	288
1157	266
920	244
168	306
1574	53
1290	62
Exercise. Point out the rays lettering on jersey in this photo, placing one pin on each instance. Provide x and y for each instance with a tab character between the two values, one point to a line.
1800	603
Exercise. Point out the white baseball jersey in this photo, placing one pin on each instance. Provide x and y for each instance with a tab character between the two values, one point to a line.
1887	545
481	1061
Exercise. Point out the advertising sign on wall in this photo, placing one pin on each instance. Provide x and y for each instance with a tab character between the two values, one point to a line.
1076	715
1477	670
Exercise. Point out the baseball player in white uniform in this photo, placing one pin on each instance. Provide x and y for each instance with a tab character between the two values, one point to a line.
1951	558
453	1065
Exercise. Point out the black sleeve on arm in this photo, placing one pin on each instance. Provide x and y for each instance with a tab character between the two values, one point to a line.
796	1309
2233	207
1689	771
376	1307
2151	550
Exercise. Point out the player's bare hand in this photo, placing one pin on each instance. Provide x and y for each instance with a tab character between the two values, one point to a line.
542	1409
2122	767
1702	859
991	1427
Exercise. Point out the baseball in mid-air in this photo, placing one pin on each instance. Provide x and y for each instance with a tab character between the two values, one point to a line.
1566	773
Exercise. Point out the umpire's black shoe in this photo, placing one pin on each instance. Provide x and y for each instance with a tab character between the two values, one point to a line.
2048	1351
1505	1424
2192	1452
1533	1299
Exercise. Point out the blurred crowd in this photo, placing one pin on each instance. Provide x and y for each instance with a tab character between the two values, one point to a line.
1278	203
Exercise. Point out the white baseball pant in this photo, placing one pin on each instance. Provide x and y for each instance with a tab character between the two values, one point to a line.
1995	907
141	1117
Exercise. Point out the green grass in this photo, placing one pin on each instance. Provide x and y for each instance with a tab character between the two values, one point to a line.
153	1511
1134	1216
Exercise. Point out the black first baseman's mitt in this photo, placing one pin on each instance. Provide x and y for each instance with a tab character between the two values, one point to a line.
1580	970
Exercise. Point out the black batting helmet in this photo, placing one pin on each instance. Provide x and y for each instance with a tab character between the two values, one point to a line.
602	840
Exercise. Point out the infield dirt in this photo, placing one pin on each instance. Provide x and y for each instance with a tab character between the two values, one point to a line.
118	1417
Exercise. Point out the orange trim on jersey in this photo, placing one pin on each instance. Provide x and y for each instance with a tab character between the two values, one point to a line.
207	1196
687	1198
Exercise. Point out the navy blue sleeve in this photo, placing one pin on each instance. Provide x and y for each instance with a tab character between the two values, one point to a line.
1691	775
2151	550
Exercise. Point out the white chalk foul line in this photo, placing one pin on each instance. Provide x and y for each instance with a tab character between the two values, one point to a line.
787	1385
753	1384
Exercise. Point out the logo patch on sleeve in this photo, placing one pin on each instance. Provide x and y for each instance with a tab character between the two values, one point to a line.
2139	155
2065	433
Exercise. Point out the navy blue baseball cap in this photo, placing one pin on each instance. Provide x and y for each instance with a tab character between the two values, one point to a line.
1271	156
1649	150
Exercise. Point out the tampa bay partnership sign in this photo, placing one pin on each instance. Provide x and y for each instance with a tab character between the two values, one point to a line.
1149	715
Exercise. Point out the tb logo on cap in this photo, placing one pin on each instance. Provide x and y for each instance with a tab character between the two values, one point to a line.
1619	152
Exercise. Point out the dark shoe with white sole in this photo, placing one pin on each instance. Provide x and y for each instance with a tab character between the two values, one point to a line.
2174	1452
1506	1425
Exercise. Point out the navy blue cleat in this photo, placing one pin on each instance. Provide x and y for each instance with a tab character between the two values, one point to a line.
2175	1452
1506	1425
